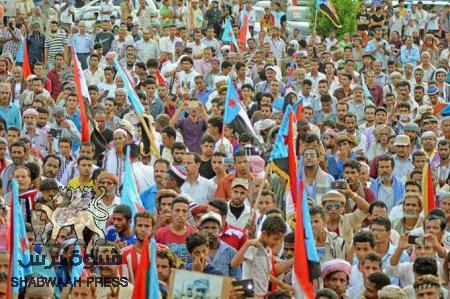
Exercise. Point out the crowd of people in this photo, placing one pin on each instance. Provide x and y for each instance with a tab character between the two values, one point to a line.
373	117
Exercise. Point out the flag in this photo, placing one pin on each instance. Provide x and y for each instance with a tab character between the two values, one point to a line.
20	252
146	285
298	109
82	91
232	103
235	115
366	89
428	195
78	270
283	158
228	35
446	111
307	263
291	71
132	96
130	195
22	57
244	33
160	78
327	8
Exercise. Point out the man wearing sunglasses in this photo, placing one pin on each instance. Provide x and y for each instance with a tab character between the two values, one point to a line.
334	203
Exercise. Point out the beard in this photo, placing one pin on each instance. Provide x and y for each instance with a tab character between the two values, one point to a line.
410	215
386	177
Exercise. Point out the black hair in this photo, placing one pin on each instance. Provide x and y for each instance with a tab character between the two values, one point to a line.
97	172
425	265
383	221
379	279
289	237
180	199
353	164
378	204
326	292
123	210
134	150
365	237
194	240
220	205
318	210
82	158
207	139
48	185
170	131
273	225
442	222
385	158
35	170
51	156
178	145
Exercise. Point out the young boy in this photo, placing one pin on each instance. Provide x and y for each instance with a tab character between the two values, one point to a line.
198	248
256	255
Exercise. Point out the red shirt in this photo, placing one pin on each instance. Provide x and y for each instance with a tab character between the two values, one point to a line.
176	243
233	236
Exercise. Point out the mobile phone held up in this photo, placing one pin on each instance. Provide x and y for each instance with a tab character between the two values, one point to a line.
247	287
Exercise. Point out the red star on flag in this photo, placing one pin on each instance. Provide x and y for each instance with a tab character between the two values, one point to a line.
286	139
232	103
23	245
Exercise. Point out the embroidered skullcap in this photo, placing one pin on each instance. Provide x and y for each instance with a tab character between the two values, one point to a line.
30	111
336	265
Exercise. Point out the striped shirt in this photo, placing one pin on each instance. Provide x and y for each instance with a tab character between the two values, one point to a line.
55	43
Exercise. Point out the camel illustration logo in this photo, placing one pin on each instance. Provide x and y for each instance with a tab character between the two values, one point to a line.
74	208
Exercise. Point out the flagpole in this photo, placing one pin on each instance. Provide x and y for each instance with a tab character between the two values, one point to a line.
147	129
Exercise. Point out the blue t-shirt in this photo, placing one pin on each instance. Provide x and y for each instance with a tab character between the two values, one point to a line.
112	235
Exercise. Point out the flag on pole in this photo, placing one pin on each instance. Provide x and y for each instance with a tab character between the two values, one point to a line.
232	103
307	263
147	284
19	250
366	89
234	113
160	78
283	158
327	8
244	33
22	57
130	195
228	35
428	195
132	96
78	270
82	91
298	109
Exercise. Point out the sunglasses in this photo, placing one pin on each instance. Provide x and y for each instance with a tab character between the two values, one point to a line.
330	207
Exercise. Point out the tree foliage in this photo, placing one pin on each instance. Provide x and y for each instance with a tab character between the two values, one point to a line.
346	11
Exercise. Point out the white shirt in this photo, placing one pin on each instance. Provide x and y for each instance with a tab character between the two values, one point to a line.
185	81
227	144
201	191
240	222
315	81
146	50
109	209
94	78
166	44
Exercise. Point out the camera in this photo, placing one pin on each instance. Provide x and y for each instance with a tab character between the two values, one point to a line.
338	185
247	287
